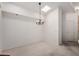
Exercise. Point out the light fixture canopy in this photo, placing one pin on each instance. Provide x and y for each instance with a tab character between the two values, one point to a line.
46	8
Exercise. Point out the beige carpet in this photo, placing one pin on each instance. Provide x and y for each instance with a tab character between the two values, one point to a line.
44	49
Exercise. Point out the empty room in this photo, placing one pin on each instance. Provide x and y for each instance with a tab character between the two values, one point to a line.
39	28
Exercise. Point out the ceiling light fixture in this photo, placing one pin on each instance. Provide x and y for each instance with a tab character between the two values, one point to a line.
40	21
46	8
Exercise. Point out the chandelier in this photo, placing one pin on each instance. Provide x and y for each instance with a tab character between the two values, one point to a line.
40	21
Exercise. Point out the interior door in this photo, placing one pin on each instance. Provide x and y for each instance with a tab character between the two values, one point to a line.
68	28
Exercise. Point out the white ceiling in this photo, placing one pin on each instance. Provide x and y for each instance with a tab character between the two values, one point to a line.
33	6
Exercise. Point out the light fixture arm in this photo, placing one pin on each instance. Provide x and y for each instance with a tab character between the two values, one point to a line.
39	10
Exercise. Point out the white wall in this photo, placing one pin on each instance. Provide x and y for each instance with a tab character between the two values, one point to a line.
19	30
0	30
52	28
70	27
